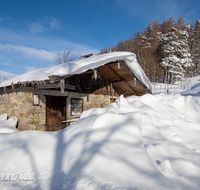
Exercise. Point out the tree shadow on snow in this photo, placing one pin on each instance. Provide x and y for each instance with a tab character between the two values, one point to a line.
75	176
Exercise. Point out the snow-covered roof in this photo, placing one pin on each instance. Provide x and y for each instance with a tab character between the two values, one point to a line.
80	66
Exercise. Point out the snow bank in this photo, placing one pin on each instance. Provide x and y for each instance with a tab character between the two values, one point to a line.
8	126
193	91
81	66
3	117
148	142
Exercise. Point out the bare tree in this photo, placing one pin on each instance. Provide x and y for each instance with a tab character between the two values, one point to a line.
67	56
2	78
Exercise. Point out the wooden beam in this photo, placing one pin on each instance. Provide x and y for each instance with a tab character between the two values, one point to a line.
129	92
48	86
117	74
56	85
120	90
130	87
125	80
111	89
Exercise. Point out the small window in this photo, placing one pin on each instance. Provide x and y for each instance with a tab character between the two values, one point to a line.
36	99
113	100
76	107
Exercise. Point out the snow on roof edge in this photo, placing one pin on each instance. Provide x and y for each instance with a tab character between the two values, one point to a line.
80	66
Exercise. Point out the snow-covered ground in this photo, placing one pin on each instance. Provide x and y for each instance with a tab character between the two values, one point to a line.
148	142
180	87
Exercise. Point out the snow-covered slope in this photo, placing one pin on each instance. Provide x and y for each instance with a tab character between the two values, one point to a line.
81	66
148	142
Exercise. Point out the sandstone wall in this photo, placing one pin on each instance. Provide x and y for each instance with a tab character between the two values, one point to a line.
20	105
30	117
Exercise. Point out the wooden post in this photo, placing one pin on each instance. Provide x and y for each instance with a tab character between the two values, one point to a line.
111	91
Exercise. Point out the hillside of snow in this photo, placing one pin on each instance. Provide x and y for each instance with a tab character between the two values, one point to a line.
148	142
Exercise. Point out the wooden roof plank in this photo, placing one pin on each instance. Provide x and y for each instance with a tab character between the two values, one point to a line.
117	74
130	87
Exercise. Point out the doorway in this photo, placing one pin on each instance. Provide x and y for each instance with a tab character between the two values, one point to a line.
55	113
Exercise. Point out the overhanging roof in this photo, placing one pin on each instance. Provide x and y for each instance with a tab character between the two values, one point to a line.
77	67
122	77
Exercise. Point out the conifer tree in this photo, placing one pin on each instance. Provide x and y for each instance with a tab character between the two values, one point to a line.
170	61
176	57
195	47
161	52
183	50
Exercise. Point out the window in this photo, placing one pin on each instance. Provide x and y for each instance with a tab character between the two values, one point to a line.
36	99
76	107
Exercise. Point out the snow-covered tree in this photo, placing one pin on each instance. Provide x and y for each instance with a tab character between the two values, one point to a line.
170	61
166	54
195	46
148	46
176	57
183	50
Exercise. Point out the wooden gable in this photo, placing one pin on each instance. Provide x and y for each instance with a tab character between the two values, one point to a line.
112	79
87	83
123	79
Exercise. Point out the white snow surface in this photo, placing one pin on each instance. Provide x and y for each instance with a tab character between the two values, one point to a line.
80	66
8	126
148	142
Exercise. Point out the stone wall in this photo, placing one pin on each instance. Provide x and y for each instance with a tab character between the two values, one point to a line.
30	117
20	105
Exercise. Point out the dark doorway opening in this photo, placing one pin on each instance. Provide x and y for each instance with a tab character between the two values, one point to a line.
55	113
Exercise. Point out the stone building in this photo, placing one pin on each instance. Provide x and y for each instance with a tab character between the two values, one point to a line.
43	99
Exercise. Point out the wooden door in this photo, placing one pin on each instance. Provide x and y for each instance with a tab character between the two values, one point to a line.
55	113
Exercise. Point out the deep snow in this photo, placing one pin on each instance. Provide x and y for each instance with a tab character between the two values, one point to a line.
148	142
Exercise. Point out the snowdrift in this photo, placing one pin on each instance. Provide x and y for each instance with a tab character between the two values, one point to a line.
8	126
148	142
193	91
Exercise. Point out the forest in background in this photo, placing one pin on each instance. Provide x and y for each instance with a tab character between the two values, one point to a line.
167	52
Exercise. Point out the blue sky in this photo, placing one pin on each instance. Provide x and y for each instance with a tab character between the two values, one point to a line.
32	31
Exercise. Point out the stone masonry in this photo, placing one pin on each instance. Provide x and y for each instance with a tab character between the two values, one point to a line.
30	117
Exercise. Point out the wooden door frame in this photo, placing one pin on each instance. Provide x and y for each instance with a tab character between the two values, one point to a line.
65	108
